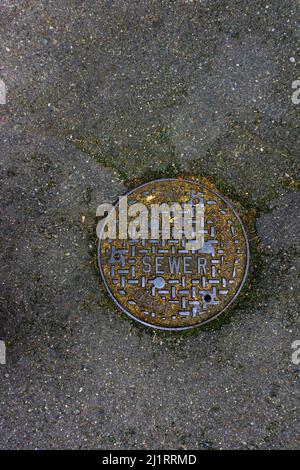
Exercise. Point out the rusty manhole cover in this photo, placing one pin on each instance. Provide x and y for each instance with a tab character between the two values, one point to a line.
160	282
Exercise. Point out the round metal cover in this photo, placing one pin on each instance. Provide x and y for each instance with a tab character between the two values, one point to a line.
159	282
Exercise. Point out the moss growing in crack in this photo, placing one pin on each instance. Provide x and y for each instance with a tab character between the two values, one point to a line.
172	169
147	149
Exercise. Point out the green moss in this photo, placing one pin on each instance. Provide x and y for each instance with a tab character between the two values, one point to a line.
236	35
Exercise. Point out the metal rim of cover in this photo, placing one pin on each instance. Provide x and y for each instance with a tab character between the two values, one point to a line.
242	280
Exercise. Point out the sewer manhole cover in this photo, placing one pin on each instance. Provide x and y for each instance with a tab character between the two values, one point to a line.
164	283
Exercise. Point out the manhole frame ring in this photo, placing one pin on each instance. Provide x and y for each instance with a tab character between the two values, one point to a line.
242	283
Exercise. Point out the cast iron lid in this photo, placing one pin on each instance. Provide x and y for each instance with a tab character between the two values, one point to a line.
160	282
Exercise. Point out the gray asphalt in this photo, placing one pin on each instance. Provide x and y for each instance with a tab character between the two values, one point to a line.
103	94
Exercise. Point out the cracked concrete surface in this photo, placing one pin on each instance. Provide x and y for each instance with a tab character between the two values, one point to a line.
100	93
